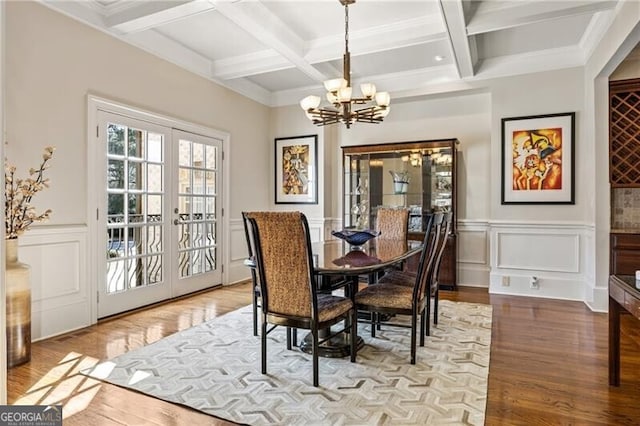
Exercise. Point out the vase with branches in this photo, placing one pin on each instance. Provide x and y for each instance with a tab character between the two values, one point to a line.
19	212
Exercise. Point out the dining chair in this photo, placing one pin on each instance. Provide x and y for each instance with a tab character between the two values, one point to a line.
441	229
433	281
250	262
393	223
396	299
289	295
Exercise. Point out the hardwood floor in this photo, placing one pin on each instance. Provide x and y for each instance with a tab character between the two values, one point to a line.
548	364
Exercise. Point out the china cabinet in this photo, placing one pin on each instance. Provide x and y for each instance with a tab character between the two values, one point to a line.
419	176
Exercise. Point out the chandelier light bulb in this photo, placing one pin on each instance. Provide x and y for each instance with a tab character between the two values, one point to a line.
383	99
335	84
310	102
344	94
368	90
332	97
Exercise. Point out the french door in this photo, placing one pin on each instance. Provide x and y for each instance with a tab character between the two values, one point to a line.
158	211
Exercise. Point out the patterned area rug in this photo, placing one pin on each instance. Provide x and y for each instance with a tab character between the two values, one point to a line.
215	368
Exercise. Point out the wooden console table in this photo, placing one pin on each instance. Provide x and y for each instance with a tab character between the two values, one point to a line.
623	296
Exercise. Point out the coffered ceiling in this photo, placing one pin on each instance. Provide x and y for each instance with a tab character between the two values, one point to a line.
279	51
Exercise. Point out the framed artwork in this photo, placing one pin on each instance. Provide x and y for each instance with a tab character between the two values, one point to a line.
538	159
297	170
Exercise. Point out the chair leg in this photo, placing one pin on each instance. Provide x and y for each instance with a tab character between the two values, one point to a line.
314	333
264	344
414	324
255	313
288	338
422	326
435	306
354	333
294	339
427	313
373	323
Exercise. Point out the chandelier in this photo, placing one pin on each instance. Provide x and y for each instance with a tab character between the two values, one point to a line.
339	94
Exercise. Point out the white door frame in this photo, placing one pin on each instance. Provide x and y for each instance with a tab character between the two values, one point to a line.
95	104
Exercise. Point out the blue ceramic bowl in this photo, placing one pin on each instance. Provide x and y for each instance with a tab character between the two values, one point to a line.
355	238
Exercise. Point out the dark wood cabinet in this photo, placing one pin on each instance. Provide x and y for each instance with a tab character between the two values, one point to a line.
625	254
419	175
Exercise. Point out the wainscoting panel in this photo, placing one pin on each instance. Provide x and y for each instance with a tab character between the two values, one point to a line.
473	253
60	300
540	251
539	259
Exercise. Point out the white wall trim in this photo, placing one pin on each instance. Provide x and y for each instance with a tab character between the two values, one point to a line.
60	284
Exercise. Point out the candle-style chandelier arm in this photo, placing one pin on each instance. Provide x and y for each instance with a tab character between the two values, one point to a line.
340	94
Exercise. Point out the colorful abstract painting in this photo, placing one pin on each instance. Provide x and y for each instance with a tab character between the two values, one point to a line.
296	170
537	159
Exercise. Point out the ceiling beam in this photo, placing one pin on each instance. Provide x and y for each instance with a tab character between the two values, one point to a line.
266	27
494	16
149	14
464	47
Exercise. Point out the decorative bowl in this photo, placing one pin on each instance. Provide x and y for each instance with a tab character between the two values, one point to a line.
355	237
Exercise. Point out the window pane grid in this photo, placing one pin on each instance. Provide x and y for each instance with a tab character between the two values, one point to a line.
135	246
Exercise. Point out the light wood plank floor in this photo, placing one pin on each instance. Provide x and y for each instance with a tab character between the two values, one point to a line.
548	364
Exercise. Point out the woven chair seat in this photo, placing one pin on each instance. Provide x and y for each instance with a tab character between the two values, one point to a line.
402	278
386	296
330	306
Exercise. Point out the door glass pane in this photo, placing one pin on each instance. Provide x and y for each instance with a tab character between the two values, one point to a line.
211	157
135	174
154	178
210	183
115	174
184	153
154	208
115	139
154	148
135	143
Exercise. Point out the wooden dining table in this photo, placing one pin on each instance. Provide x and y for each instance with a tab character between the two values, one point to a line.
339	265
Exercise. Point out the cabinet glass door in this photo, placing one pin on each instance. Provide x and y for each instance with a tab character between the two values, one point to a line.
441	178
356	191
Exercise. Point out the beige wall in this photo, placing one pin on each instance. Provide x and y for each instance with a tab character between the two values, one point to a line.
54	62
